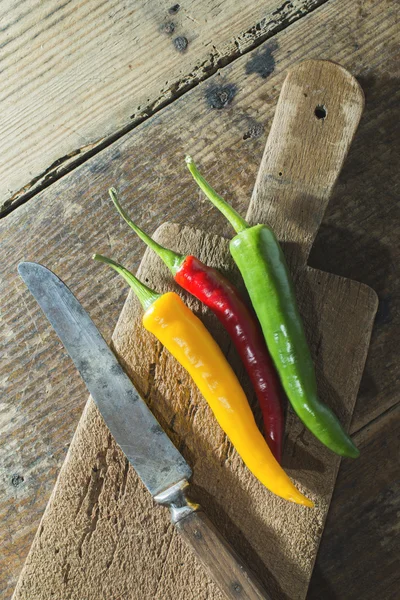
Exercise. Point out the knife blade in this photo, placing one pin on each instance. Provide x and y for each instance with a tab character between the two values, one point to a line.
147	447
161	467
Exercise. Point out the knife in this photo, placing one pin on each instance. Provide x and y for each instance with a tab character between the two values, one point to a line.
160	466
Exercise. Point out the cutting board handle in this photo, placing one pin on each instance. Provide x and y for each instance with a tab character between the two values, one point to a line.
316	117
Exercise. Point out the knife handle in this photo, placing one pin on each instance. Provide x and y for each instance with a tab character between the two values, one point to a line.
218	557
229	572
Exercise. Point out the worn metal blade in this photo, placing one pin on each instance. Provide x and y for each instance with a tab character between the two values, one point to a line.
135	429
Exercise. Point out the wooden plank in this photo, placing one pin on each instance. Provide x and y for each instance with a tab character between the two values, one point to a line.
359	555
79	71
278	539
62	226
364	212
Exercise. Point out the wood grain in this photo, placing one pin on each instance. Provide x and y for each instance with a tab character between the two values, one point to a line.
359	555
79	71
278	539
65	224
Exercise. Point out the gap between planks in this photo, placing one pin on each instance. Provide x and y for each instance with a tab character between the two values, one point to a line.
358	435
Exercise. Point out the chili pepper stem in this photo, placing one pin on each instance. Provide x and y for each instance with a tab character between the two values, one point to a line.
237	222
146	295
172	259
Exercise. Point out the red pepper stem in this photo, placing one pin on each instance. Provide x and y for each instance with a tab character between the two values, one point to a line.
172	259
237	222
146	295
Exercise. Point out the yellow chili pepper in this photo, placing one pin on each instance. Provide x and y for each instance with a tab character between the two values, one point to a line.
187	339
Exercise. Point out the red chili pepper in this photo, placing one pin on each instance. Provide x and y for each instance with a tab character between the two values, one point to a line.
216	292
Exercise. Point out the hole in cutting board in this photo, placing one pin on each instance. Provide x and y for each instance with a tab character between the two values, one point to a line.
320	111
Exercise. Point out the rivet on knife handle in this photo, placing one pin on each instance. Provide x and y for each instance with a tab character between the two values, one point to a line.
217	556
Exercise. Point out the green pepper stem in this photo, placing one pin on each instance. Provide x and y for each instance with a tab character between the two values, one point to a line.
146	295
237	222
172	259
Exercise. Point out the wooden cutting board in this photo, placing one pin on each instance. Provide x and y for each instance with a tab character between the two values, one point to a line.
101	535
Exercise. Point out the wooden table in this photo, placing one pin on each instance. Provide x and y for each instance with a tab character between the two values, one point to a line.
83	83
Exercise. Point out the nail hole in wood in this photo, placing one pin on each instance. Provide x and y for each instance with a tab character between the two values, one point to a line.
320	111
280	173
16	480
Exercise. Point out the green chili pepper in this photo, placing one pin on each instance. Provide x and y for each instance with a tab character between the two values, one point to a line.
259	257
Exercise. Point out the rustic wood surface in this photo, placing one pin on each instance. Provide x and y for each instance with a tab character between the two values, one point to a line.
87	71
277	538
358	239
338	314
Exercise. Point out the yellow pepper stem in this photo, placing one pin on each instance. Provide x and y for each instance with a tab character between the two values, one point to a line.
146	295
